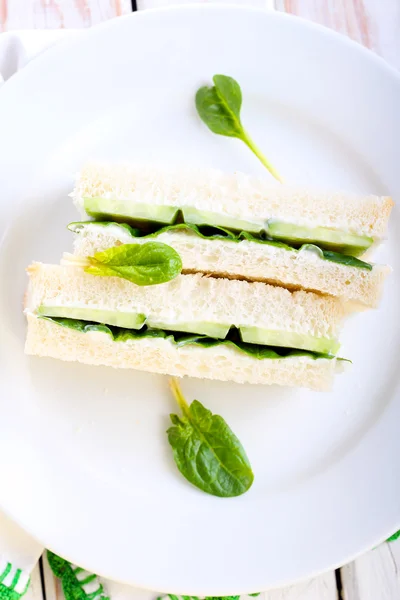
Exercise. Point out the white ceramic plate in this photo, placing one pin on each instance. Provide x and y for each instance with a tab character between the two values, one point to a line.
85	463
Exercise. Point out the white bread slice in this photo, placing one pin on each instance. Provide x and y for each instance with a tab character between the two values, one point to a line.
189	298
251	261
238	195
46	338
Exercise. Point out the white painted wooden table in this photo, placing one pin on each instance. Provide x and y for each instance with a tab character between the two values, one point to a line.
374	23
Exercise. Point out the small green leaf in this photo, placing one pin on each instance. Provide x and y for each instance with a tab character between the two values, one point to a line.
143	264
206	451
394	537
229	91
219	108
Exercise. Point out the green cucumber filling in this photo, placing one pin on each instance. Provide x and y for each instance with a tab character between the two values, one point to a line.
300	341
212	232
130	211
326	238
272	229
221	331
119	334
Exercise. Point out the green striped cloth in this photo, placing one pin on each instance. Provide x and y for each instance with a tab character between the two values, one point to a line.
13	582
77	584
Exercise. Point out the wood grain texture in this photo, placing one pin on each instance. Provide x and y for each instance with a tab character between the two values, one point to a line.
375	575
145	4
373	23
35	590
56	14
319	588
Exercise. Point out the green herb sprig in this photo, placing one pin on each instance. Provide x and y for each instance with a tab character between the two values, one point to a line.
219	108
206	451
143	264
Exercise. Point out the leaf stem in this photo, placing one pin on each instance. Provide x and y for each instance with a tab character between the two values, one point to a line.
71	260
249	142
179	397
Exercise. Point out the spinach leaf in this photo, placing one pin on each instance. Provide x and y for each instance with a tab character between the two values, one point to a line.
143	264
81	326
219	108
206	451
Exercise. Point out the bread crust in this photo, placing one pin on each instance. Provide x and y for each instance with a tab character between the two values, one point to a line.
238	195
190	299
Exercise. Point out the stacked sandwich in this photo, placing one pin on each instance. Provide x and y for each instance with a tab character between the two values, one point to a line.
268	273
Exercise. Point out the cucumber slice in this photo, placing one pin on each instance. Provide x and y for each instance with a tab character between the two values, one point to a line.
121	210
288	339
331	239
214	330
204	217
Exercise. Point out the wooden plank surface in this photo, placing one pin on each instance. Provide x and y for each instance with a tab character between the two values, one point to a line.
35	590
145	4
375	575
56	14
319	588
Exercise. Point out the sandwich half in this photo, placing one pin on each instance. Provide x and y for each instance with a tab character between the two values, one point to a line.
193	325
238	227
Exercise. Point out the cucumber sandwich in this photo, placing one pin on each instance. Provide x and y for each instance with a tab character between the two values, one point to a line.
205	274
237	226
192	325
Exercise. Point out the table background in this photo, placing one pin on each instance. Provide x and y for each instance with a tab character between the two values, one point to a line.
374	23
